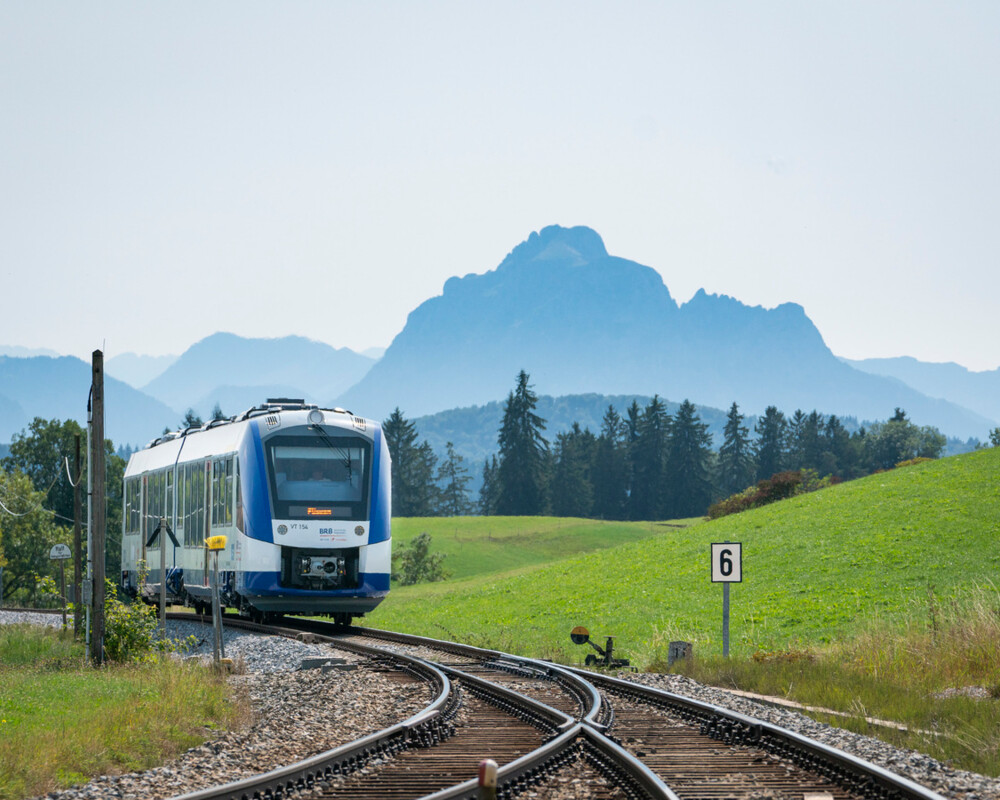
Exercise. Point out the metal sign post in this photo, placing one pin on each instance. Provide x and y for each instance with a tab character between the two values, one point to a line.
162	530
60	553
727	568
214	545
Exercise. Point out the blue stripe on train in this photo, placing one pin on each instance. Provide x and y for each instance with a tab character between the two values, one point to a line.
378	529
255	488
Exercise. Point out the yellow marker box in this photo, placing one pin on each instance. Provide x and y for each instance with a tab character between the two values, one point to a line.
216	543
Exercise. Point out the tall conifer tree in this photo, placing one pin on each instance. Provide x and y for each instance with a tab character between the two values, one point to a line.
489	489
689	459
453	480
770	445
572	488
413	491
521	471
649	491
736	468
609	472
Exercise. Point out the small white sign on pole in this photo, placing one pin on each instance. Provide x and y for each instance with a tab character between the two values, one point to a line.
727	568
60	551
727	562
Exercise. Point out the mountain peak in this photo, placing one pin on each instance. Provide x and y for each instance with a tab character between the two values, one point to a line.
576	246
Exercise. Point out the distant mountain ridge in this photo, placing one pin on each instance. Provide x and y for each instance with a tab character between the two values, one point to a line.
58	388
977	391
582	321
233	371
17	351
137	370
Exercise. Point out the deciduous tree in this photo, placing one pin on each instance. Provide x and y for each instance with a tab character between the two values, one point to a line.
27	533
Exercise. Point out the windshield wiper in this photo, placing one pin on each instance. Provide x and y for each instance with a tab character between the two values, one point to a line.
344	452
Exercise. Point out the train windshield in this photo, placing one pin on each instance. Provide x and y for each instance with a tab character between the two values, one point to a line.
319	477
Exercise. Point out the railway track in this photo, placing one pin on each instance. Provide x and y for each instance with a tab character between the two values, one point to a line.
698	750
435	753
547	725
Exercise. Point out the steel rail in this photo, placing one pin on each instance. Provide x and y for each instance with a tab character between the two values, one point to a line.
627	772
527	708
574	739
850	772
595	712
423	729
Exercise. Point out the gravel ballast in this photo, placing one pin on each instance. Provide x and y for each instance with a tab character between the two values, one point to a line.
918	767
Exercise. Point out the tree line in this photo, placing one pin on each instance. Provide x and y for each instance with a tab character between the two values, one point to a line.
642	464
646	463
36	504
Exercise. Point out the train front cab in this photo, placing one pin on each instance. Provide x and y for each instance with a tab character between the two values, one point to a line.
316	516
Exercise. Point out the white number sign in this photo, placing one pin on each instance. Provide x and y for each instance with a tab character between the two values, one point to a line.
727	562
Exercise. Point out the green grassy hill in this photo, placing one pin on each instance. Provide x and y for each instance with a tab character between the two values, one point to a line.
815	569
483	545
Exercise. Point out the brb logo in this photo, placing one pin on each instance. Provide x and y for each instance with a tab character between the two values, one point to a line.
326	531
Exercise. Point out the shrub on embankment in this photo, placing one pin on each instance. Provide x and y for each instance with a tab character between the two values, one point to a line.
778	487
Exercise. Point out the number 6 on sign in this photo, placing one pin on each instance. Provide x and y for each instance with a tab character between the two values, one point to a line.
727	562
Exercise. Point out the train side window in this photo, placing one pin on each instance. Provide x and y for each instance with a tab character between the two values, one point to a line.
133	509
168	495
220	498
181	486
228	494
239	496
194	530
154	505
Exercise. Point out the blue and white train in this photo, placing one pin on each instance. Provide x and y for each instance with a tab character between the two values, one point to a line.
302	495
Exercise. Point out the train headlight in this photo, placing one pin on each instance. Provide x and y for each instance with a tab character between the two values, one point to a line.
315	417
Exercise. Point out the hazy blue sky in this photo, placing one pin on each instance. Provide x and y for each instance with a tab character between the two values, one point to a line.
168	170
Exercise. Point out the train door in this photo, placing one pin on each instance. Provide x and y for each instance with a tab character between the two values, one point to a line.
207	529
143	533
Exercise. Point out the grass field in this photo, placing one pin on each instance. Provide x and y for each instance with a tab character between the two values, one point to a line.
482	545
868	598
62	721
817	568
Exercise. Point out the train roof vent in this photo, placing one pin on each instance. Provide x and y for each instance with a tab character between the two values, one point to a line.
286	402
272	420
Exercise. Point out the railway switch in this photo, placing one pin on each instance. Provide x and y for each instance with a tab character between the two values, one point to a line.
580	635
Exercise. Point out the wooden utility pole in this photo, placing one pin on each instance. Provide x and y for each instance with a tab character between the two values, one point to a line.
77	549
98	504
